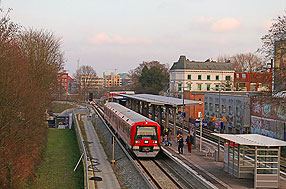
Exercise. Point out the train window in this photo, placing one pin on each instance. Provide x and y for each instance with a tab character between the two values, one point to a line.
146	132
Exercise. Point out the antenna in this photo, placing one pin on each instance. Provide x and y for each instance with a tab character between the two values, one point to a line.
115	71
78	60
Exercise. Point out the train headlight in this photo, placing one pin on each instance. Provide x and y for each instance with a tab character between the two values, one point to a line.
146	142
155	142
137	141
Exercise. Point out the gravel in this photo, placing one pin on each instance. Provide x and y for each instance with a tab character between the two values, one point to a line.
126	173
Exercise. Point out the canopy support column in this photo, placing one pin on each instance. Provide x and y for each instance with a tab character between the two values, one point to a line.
175	119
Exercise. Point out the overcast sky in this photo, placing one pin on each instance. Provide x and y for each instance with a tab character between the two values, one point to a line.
121	34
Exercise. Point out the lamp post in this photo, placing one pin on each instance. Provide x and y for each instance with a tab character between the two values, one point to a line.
201	129
218	144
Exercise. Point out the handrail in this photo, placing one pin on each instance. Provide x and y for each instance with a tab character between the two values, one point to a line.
82	149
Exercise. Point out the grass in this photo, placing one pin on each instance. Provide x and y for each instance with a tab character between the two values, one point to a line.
83	133
60	107
59	160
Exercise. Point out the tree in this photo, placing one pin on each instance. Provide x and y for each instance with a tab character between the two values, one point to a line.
150	77
27	75
274	47
244	62
276	32
85	76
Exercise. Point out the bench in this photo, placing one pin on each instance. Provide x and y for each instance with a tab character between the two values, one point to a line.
208	150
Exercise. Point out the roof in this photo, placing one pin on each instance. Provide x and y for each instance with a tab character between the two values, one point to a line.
184	63
161	100
126	114
251	139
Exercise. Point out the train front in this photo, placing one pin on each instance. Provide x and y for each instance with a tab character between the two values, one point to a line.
146	139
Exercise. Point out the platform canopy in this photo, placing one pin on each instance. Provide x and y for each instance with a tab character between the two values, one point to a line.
251	139
161	100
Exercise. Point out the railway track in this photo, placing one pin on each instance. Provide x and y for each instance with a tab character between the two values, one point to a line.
158	175
207	136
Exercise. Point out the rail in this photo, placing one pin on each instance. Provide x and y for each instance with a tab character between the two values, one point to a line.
98	110
83	151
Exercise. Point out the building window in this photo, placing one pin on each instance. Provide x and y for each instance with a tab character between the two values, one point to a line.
228	87
216	87
199	87
189	76
206	106
237	75
200	99
243	76
211	106
237	111
227	78
223	109
189	86
216	107
179	87
199	77
230	111
241	85
208	87
208	77
217	77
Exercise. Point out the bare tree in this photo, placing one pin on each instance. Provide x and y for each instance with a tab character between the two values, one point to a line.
244	62
274	47
276	32
85	76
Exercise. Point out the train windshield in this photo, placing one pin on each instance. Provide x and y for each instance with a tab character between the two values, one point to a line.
144	132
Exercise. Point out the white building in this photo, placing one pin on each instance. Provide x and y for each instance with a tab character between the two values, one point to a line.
200	76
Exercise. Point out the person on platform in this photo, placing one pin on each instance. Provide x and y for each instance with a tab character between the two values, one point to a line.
165	140
179	134
181	145
189	142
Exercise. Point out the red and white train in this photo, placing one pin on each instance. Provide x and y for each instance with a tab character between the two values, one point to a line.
141	134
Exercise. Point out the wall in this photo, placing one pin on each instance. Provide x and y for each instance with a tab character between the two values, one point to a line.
236	112
268	116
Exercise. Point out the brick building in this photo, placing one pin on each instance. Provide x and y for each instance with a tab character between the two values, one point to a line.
256	81
63	81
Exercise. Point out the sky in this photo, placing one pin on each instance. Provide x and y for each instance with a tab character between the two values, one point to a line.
118	35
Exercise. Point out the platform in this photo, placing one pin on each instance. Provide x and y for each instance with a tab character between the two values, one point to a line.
102	167
208	168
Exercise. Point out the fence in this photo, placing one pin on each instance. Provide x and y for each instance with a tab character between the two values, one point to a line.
82	150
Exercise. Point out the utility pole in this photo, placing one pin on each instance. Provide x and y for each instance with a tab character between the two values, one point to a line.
218	147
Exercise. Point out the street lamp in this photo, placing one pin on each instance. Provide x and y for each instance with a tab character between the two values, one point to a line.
201	129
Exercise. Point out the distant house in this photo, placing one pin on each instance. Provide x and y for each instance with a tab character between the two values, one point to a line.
200	76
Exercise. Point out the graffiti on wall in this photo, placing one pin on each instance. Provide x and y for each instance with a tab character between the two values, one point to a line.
267	127
271	108
281	111
256	108
266	109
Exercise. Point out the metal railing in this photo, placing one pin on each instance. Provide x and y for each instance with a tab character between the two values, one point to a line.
82	150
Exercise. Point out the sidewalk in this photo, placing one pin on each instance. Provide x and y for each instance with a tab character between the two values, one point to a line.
207	167
102	167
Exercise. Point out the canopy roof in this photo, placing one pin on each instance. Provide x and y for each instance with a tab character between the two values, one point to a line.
161	100
251	139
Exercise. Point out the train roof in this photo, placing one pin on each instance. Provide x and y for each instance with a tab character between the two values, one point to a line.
126	114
